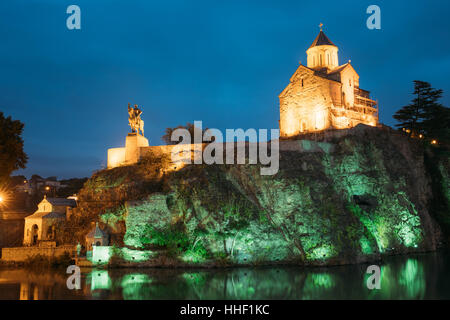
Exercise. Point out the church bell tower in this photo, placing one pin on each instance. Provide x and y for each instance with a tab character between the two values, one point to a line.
322	53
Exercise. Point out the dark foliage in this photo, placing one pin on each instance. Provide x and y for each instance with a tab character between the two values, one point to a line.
12	156
425	115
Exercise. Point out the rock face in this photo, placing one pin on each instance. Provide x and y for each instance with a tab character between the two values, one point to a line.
348	198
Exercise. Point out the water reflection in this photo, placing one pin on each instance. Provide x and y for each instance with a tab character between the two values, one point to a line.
419	277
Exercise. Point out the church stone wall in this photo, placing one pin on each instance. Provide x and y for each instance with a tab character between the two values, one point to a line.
305	104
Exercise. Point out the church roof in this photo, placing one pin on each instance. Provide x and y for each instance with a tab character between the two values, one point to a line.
62	202
322	40
46	215
338	69
96	233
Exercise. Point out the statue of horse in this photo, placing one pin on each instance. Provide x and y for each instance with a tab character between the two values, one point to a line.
140	127
134	119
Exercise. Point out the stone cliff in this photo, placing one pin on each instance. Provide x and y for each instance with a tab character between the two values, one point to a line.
339	197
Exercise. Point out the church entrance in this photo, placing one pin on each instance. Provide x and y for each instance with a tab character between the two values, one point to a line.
34	234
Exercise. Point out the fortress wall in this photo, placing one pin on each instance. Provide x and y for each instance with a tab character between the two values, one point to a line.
24	253
116	157
177	156
180	155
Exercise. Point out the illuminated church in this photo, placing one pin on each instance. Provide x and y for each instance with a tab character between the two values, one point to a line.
324	95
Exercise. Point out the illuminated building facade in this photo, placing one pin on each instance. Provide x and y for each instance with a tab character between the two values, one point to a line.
324	95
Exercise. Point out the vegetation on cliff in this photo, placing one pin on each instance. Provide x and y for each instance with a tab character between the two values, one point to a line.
348	200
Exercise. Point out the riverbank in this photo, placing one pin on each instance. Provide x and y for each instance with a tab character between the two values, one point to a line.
417	276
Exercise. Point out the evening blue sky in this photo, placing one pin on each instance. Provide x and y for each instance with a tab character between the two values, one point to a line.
222	62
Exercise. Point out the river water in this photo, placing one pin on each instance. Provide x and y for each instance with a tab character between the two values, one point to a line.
424	276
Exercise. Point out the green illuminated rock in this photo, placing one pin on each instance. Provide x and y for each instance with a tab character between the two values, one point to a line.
350	198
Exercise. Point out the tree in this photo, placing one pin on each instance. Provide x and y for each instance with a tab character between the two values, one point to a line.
189	126
12	156
423	107
436	123
17	180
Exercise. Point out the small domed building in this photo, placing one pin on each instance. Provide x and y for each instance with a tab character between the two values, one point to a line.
41	225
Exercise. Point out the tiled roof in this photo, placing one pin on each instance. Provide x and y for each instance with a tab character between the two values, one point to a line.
62	202
96	233
321	40
338	69
46	215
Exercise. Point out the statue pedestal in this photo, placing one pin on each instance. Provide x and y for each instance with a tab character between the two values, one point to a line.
133	143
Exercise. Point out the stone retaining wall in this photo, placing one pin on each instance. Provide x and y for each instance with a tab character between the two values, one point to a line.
23	253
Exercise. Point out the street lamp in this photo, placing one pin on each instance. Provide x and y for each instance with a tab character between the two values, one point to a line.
2	199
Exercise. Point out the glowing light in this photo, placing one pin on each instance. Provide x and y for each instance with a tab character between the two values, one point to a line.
136	255
3	197
290	123
47	188
412	279
100	280
434	142
320	119
101	255
323	280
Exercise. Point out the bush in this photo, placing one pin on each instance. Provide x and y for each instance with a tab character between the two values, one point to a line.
45	262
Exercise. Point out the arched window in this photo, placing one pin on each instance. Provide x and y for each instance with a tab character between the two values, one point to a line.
98	243
320	61
328	58
34	234
49	233
302	83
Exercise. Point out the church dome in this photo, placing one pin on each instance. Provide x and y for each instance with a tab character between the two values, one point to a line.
322	53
